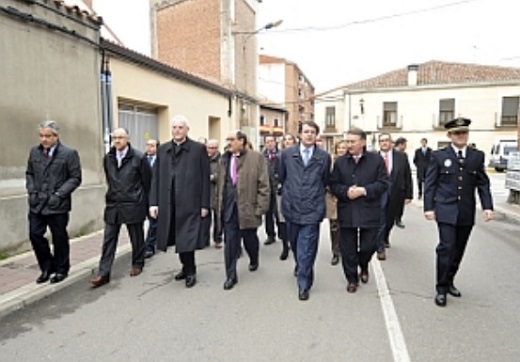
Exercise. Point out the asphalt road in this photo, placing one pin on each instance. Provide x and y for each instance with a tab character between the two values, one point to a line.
154	318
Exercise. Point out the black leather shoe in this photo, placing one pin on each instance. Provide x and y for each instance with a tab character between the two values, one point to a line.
253	267
364	276
440	300
180	276
285	254
58	277
148	254
399	224
44	277
191	280
334	260
295	272
303	294
229	284
269	241
352	287
454	291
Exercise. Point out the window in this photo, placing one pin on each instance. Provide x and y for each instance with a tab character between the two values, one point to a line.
276	122
262	120
330	117
446	110
509	111
389	114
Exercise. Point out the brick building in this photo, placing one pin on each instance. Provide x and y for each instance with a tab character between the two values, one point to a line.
213	39
285	83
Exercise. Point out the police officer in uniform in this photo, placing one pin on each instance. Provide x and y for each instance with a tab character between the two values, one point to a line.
453	174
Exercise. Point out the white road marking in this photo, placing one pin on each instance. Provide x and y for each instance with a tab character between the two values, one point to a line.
393	327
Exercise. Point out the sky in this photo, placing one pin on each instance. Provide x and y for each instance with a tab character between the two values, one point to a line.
337	42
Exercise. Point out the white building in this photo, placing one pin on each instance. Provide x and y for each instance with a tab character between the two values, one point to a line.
415	102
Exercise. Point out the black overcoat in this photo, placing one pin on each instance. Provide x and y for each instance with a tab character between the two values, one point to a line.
370	173
128	187
180	188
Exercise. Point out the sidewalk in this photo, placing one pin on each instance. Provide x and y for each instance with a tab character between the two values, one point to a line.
18	274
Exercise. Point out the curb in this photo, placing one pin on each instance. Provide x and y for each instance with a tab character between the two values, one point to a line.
30	293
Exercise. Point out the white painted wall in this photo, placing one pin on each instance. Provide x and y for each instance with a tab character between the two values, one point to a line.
271	82
418	112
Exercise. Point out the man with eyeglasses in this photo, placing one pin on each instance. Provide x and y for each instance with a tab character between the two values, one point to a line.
454	174
214	157
242	198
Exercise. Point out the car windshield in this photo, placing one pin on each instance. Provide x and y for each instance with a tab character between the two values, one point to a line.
508	149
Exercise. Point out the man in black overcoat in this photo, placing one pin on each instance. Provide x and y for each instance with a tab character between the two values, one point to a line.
128	178
454	174
180	196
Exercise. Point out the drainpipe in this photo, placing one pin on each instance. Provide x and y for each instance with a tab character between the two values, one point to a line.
106	101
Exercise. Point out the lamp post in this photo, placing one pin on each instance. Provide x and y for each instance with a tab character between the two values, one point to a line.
250	71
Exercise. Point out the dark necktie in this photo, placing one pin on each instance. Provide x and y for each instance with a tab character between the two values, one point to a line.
47	152
460	158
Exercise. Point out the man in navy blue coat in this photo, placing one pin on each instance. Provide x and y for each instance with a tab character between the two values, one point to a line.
358	180
304	174
453	175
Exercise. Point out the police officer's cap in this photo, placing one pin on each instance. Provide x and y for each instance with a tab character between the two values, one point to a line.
458	124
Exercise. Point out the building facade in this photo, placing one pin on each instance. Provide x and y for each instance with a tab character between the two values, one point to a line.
135	91
284	83
215	40
415	102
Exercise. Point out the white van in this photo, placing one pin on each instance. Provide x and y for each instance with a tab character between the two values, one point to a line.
499	153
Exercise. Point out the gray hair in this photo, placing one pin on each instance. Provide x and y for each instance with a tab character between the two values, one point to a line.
180	119
53	125
213	142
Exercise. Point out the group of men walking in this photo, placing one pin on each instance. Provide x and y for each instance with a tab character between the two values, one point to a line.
181	185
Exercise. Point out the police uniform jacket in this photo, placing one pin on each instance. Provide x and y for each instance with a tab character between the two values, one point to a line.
450	186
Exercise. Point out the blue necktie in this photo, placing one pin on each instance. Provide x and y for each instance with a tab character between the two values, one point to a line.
306	156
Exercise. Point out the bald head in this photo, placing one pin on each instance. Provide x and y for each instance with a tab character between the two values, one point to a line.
120	138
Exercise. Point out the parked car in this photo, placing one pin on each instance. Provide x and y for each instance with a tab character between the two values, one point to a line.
499	153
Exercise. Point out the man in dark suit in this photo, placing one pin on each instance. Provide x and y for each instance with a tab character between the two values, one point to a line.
53	173
400	191
421	159
151	235
271	217
179	196
400	146
358	180
304	175
454	173
128	176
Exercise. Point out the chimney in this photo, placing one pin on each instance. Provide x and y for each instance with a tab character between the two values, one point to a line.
412	74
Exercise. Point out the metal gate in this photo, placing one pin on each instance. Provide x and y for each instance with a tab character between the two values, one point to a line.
141	122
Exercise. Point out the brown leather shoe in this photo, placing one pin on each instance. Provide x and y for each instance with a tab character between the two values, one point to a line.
381	255
364	276
135	271
99	281
352	287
